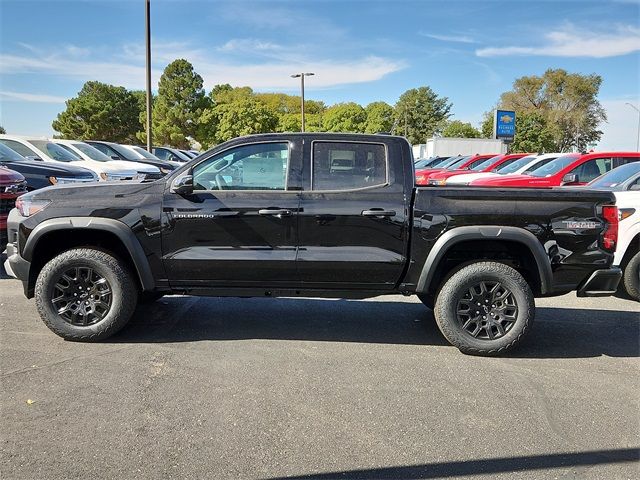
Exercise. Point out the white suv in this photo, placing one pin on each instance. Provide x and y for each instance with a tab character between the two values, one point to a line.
624	182
46	150
130	170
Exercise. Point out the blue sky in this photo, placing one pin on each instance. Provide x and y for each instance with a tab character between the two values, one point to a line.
359	50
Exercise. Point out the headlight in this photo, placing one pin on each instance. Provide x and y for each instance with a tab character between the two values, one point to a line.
53	180
104	176
28	207
164	171
437	181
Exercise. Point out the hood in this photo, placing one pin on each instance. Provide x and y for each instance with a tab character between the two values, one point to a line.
135	166
507	180
8	177
99	193
48	169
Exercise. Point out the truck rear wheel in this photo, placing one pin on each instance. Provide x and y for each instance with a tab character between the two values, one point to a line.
484	308
631	277
85	294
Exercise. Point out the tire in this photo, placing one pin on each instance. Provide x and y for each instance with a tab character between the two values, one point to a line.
427	300
631	277
149	297
85	276
509	304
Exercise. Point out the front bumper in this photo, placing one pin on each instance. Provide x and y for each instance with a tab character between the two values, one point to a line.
601	283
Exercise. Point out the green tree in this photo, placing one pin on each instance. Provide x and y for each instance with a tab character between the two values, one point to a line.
344	117
487	125
177	108
100	112
420	113
243	116
379	117
532	134
458	129
567	101
2	130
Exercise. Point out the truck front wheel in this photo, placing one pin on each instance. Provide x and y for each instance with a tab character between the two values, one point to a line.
85	294
485	308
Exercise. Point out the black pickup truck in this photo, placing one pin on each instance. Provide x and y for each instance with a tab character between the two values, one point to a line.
311	215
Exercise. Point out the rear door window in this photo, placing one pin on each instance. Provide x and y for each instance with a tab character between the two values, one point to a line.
348	166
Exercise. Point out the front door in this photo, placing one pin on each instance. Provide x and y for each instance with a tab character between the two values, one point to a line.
239	227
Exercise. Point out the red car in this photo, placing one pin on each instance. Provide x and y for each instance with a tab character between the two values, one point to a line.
459	162
570	169
487	165
12	185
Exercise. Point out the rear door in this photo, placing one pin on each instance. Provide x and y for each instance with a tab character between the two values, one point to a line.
352	221
239	227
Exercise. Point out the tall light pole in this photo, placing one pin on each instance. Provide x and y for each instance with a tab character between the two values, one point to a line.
301	76
638	135
148	41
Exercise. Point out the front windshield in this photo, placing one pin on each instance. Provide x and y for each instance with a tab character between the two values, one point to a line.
538	165
124	152
145	154
92	152
55	151
486	164
457	164
507	168
7	154
555	166
613	179
449	161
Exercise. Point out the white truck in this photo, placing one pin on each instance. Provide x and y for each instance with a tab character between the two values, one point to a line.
448	147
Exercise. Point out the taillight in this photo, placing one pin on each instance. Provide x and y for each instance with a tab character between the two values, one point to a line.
610	236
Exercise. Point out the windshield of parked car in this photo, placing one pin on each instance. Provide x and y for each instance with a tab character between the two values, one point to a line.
55	151
7	154
145	154
613	180
487	163
511	167
457	164
538	164
555	166
448	162
123	152
92	152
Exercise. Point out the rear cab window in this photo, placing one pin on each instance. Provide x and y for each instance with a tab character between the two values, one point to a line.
339	166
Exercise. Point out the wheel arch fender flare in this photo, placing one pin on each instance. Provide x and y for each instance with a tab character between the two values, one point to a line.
486	232
115	227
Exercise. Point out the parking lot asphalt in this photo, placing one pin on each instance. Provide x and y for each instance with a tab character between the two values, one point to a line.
308	388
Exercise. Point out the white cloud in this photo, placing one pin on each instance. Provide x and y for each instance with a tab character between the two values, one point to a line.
571	41
449	38
31	97
248	45
126	67
620	133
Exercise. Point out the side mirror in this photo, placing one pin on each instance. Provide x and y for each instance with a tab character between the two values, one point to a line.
115	157
635	187
182	185
34	157
569	178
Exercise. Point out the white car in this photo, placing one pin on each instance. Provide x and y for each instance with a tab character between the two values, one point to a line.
129	170
141	153
46	150
624	182
520	166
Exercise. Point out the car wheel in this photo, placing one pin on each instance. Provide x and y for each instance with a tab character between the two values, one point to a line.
485	308
85	295
631	277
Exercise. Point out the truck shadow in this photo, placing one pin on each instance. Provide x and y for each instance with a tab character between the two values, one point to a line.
557	332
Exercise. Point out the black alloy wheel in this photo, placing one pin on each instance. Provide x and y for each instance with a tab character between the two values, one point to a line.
81	296
488	310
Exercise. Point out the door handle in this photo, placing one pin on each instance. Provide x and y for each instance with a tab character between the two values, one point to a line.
276	212
378	212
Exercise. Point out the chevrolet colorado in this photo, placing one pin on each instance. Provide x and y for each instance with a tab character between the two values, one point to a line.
320	215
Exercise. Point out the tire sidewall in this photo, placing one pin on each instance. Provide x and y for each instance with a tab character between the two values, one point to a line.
632	277
460	282
46	283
